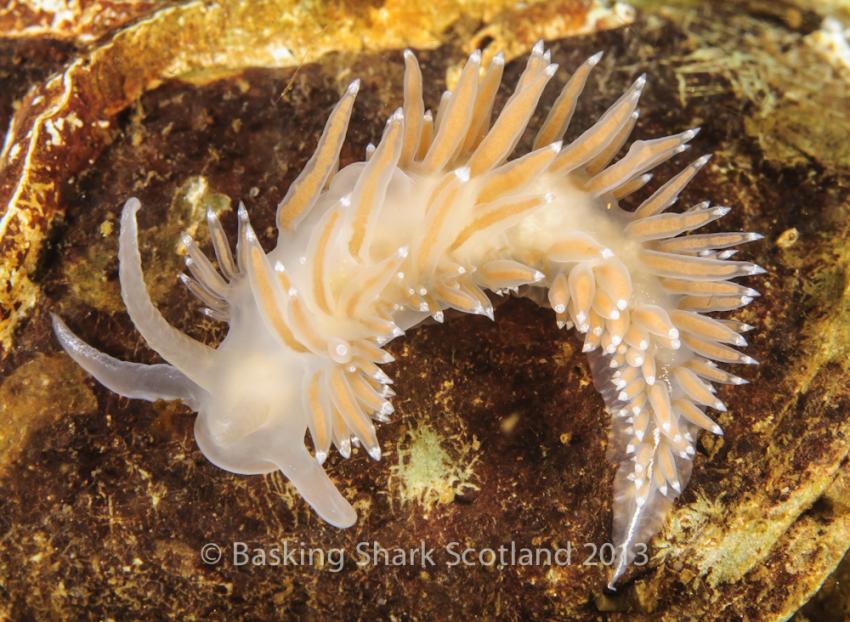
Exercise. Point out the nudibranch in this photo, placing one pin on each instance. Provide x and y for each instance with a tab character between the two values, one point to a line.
438	214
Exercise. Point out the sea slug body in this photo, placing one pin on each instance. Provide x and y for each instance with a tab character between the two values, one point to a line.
438	214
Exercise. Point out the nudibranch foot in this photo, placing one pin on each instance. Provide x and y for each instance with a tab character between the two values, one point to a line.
438	214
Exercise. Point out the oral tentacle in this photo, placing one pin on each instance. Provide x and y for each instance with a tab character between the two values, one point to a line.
132	380
192	358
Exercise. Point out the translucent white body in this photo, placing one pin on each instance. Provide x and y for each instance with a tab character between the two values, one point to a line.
438	214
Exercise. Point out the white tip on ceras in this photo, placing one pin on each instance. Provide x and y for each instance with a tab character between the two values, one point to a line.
690	134
702	161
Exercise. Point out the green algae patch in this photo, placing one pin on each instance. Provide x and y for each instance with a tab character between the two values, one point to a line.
427	473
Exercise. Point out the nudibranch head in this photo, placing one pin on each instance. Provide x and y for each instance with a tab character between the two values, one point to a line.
437	214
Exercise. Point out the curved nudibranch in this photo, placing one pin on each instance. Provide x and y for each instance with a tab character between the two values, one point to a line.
437	214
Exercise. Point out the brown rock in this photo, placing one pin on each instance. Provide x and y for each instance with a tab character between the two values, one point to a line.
499	437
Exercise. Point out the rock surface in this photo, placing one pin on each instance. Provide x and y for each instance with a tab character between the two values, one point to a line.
499	437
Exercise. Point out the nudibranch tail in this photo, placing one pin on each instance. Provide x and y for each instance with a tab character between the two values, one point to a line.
437	214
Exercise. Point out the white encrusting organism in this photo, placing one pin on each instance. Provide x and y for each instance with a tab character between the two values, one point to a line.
437	214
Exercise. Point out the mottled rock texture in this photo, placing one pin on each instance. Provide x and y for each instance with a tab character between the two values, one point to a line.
499	437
